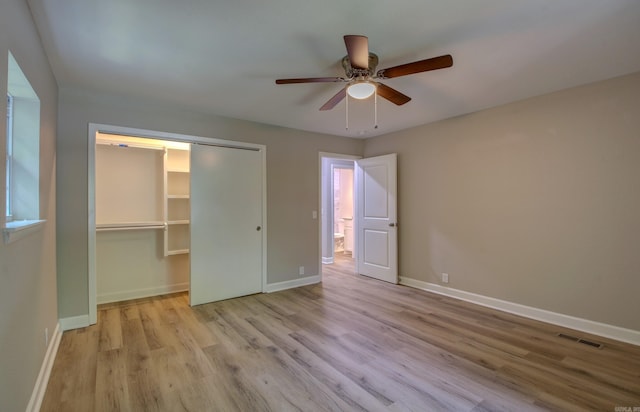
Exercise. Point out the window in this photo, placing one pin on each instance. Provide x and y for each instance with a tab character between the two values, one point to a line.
22	163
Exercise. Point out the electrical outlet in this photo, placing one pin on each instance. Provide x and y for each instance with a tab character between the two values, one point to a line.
301	270
46	337
445	278
314	214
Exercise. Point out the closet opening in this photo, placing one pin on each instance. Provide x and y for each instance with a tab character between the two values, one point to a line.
147	190
142	217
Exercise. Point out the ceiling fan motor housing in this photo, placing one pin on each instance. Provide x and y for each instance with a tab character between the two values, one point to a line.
355	73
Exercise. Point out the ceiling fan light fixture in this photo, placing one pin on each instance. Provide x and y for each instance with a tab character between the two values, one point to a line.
361	89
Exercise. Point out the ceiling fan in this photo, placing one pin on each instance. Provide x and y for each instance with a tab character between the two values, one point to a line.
359	66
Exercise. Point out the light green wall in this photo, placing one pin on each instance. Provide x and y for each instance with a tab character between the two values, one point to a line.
536	202
292	181
28	299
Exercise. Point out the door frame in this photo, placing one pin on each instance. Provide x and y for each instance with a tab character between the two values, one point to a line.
337	156
157	135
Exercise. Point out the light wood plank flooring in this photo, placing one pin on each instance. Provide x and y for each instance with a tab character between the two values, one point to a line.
348	344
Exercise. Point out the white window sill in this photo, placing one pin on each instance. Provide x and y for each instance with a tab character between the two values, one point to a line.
18	229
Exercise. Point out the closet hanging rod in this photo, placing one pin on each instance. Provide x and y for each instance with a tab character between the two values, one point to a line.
140	226
228	146
129	145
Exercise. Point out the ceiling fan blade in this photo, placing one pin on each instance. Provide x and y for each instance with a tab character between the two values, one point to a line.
311	80
331	103
391	94
358	51
426	65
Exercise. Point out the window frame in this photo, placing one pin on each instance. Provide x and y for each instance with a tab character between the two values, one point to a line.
22	158
9	161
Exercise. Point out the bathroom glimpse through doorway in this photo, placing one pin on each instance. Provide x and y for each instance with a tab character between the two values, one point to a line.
342	192
337	213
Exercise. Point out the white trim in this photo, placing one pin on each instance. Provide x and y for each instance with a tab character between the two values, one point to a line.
263	151
176	137
142	293
74	322
40	387
290	284
327	260
91	226
584	325
17	229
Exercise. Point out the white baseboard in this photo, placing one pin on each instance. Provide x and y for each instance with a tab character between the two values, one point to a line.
327	260
142	293
74	322
290	284
584	325
45	370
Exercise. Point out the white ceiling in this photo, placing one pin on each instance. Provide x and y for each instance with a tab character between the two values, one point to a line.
222	57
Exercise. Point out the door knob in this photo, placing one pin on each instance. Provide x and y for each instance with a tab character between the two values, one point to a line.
392	224
259	228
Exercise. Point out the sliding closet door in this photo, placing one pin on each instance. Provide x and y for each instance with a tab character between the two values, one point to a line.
226	223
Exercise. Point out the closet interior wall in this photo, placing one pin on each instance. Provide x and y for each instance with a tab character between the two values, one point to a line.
142	217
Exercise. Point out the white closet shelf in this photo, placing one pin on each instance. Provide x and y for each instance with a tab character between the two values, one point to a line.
177	252
178	196
178	222
104	227
178	170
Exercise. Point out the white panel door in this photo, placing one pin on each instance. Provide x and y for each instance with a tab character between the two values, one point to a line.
226	223
376	225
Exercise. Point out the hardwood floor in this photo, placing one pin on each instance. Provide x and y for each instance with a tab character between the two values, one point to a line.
348	344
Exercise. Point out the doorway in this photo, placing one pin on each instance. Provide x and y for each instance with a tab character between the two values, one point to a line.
374	219
342	192
338	240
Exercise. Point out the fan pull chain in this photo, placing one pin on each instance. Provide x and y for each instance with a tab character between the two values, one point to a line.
346	120
375	109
